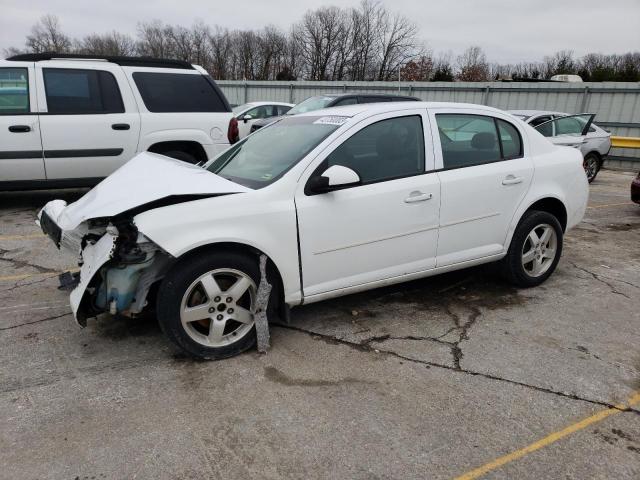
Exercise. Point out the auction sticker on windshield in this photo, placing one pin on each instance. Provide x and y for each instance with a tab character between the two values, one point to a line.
332	120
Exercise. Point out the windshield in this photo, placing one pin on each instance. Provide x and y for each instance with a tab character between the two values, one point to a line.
264	156
311	104
241	108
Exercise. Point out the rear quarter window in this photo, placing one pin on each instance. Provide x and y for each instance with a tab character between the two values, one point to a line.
14	91
176	92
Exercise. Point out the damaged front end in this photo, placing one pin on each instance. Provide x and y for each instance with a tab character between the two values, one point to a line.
118	264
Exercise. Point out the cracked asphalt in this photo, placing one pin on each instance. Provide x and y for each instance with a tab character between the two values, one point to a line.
429	379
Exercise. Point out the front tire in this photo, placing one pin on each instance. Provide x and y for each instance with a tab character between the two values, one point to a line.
535	250
206	304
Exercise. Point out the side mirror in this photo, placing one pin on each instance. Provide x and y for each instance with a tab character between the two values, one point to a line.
246	118
334	178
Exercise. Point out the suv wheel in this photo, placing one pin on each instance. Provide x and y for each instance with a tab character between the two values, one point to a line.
207	303
535	250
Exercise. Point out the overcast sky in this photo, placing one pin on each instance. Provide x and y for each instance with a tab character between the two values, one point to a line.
508	30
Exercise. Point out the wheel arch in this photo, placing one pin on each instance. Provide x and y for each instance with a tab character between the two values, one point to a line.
551	205
547	203
273	272
191	147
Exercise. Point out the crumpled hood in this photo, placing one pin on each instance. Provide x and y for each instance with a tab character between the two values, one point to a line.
145	178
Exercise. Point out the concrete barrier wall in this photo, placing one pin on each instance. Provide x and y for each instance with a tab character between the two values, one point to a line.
616	104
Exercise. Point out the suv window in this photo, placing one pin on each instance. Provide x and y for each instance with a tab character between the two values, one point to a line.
282	109
177	92
469	140
14	90
73	91
385	150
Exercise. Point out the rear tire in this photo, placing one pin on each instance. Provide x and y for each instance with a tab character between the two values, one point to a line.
535	250
206	303
591	166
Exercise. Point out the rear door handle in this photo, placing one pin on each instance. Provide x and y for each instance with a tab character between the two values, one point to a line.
512	180
417	196
121	126
19	128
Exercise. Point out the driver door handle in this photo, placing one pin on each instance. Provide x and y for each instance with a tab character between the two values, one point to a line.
512	180
19	128
418	196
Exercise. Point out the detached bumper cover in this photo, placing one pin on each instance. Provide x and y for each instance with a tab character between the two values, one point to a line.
93	257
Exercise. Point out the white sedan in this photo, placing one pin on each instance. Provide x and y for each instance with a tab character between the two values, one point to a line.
337	201
246	114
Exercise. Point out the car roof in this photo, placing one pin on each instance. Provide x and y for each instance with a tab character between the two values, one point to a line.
533	113
259	104
383	107
123	61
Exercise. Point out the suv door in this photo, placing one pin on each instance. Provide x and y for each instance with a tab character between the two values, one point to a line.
90	124
383	228
484	176
20	145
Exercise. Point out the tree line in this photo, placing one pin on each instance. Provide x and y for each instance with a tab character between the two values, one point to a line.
368	42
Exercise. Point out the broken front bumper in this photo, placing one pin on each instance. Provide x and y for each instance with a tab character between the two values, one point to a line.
92	257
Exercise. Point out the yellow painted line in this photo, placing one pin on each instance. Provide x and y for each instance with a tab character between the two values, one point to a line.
549	439
13	278
22	237
611	205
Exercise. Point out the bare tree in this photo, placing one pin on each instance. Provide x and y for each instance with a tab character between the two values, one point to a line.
47	36
473	66
397	43
155	40
330	43
418	70
113	43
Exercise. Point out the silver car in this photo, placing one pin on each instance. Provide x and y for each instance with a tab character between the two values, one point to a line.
595	144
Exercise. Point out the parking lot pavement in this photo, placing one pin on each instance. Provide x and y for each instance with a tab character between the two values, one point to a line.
456	375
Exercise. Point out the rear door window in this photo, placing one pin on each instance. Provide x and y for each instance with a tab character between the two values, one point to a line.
510	140
177	92
14	91
74	91
467	140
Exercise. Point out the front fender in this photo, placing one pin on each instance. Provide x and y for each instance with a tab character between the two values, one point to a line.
268	227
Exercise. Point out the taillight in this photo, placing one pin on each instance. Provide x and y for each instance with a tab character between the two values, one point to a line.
232	133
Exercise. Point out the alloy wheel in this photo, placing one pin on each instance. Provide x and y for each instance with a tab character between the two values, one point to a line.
217	309
539	250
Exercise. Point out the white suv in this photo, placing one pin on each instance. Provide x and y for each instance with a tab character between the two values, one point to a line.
69	120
